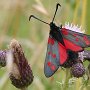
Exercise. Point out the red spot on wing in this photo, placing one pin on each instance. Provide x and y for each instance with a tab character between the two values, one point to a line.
63	53
76	39
50	41
75	34
84	37
49	63
49	53
72	46
86	40
54	55
64	31
53	67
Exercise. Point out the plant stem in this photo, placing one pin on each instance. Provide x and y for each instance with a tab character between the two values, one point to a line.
78	84
66	79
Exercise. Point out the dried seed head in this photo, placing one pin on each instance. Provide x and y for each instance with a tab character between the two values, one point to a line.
21	74
78	70
3	58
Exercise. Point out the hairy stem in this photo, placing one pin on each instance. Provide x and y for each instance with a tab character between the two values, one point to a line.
66	79
78	84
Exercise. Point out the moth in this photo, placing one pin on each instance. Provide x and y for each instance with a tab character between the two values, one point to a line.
61	39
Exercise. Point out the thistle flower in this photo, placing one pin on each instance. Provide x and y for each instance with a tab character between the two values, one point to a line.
3	58
77	70
73	27
21	74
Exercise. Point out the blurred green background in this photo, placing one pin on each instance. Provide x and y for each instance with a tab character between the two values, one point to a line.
33	36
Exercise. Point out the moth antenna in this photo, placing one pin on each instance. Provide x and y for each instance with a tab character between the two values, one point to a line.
56	11
37	19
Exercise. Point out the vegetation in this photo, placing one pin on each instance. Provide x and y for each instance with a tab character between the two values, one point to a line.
33	36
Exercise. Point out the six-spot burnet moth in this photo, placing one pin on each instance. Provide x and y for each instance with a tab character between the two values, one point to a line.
61	40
